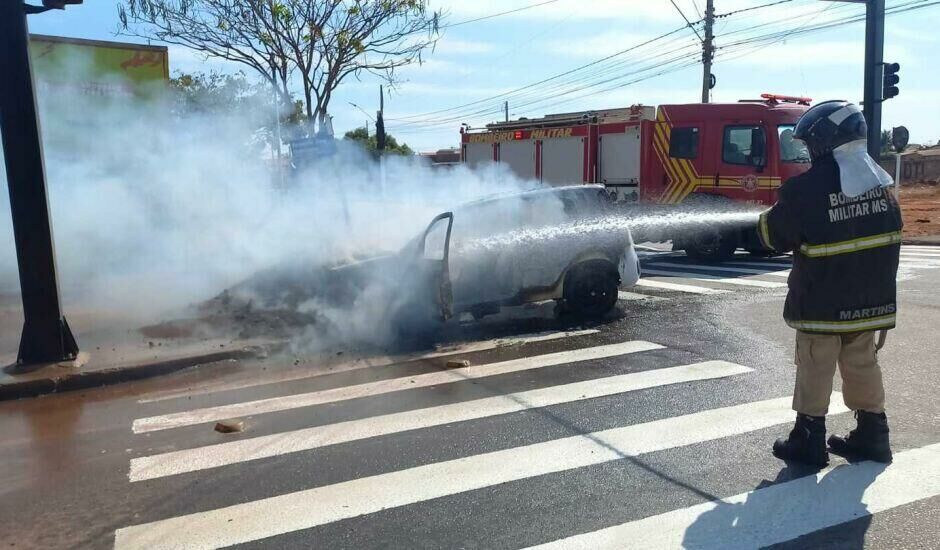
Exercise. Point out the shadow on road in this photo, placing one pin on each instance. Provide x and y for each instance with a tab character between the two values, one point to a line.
776	509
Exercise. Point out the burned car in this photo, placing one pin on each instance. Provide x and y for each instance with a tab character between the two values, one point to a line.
562	243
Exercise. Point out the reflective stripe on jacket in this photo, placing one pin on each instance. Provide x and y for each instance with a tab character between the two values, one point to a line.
845	249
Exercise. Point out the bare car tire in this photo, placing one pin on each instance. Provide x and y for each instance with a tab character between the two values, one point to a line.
591	289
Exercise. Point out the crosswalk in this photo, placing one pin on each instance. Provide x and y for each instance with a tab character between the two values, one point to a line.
579	377
672	274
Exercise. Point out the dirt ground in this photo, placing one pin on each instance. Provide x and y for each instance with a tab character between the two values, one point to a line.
920	208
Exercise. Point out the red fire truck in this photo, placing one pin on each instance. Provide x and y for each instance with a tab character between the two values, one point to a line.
716	154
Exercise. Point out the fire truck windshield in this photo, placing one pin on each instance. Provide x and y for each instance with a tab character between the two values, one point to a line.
791	150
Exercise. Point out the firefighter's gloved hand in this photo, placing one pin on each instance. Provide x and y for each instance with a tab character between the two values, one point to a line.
857	171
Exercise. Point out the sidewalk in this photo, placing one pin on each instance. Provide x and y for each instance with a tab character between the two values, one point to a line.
110	356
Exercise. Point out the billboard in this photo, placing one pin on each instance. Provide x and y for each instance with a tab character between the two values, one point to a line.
93	68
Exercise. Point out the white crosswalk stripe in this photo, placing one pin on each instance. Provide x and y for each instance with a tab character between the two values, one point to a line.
720	268
759	263
740	281
369	363
212	414
255	520
677	287
223	454
685	275
798	507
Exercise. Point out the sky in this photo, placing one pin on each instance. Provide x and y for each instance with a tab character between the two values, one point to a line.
484	63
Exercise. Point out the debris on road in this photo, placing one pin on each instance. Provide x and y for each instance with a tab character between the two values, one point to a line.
233	425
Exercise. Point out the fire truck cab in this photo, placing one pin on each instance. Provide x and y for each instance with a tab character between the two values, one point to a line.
687	156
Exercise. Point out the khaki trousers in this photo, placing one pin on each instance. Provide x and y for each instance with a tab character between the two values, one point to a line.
816	358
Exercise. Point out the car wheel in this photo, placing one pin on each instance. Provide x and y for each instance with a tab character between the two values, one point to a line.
591	290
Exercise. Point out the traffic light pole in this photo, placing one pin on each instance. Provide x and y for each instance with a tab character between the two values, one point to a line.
874	71
46	335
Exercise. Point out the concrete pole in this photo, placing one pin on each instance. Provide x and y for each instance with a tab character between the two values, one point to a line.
708	51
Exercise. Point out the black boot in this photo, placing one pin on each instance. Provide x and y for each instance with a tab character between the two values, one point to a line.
806	443
869	440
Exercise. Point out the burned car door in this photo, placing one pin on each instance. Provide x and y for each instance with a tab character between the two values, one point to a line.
434	261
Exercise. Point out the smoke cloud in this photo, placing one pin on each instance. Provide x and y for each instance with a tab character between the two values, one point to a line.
155	213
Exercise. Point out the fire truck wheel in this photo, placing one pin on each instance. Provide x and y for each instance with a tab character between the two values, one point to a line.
591	289
762	253
719	249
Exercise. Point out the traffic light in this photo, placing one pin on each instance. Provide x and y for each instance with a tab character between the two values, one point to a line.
59	4
47	5
891	79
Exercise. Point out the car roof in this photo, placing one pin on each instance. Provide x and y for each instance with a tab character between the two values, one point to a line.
537	192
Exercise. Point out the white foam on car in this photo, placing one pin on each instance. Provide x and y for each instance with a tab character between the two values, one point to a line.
634	296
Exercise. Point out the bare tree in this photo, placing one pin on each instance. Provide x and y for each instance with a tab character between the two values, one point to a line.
321	41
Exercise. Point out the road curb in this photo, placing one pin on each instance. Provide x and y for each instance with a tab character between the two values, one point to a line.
81	380
922	241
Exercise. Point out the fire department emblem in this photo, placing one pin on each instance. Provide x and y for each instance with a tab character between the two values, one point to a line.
749	183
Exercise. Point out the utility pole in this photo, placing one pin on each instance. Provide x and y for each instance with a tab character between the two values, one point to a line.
874	72
708	51
380	122
380	139
277	110
277	126
506	111
46	335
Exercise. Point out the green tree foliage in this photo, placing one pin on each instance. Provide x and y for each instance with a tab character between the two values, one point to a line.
216	93
361	136
234	94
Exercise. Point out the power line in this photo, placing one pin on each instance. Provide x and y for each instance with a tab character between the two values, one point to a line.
547	79
551	88
742	10
689	23
494	15
681	60
422	118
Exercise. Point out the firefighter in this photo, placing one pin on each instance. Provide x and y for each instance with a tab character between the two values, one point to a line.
844	228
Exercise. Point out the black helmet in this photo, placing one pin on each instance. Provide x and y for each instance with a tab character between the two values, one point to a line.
830	124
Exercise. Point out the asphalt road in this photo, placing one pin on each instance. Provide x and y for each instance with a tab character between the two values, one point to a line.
651	429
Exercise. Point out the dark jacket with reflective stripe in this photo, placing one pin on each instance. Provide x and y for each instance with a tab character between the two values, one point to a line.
846	250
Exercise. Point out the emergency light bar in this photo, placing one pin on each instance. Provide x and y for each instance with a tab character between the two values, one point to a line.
787	99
